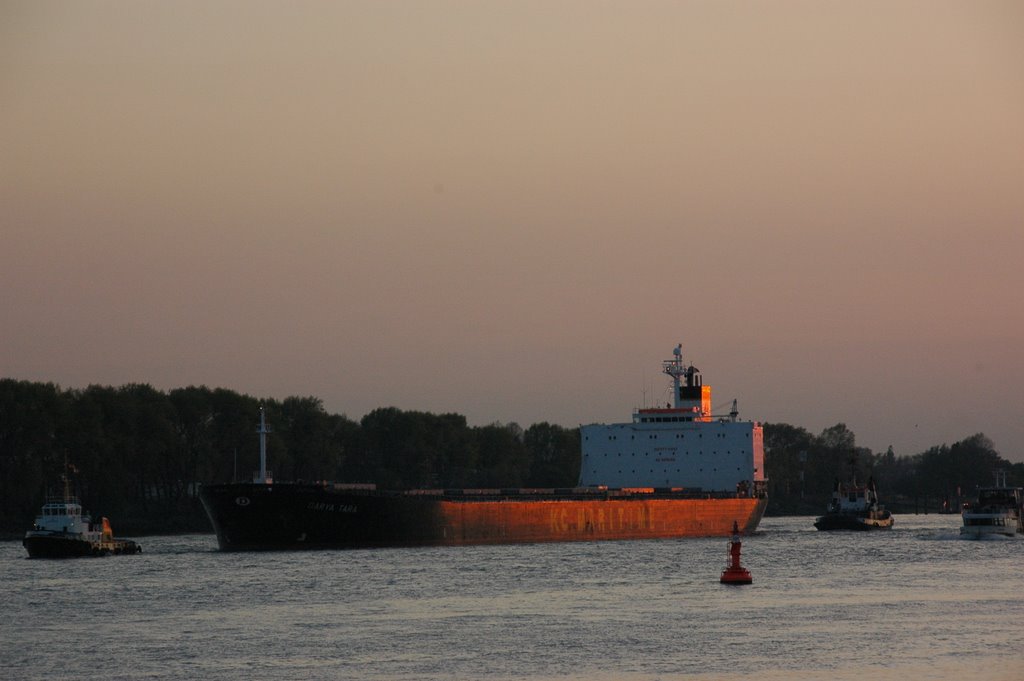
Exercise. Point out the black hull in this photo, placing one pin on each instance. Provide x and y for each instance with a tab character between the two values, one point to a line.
57	546
846	521
250	517
282	516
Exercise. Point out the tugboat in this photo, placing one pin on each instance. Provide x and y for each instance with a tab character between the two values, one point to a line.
999	511
855	507
63	531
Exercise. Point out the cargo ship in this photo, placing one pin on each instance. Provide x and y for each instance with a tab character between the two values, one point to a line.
672	471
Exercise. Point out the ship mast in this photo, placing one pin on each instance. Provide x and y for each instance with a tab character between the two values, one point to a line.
263	476
67	482
678	371
689	394
674	368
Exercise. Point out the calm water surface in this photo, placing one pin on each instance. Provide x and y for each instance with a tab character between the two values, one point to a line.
914	603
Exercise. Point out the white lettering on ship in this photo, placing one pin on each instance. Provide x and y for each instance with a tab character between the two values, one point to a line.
337	508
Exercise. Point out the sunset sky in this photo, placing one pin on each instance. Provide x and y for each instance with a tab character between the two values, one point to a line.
515	210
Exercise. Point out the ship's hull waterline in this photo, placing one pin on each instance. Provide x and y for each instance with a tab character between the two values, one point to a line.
295	516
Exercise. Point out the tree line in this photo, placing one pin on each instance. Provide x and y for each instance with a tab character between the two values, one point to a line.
803	467
138	455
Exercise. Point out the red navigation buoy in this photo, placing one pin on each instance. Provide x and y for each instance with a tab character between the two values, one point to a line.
734	573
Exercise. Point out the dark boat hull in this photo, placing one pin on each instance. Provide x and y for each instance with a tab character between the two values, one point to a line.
847	521
56	547
63	546
305	516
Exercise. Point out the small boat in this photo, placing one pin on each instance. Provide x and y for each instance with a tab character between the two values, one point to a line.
61	530
855	507
999	511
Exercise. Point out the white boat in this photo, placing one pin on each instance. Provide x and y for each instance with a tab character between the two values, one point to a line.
999	511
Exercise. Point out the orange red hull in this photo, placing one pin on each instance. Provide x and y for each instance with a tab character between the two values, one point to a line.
572	520
290	516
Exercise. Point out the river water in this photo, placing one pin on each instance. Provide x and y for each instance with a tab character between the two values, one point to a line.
913	603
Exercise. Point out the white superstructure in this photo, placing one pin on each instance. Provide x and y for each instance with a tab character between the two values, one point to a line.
63	516
679	445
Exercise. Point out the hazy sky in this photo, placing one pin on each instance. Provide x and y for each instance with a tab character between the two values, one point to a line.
515	210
